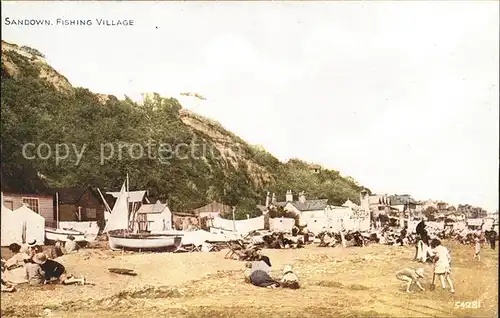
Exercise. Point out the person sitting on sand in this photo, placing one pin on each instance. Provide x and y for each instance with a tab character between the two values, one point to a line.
31	248
262	257
70	246
259	274
326	240
14	266
55	271
17	260
442	263
411	276
289	279
34	274
55	251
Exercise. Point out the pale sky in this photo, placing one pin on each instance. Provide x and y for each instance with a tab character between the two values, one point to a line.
402	96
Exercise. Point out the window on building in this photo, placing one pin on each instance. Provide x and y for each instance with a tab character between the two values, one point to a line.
91	213
32	203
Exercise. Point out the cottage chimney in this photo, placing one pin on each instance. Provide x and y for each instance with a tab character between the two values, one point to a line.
365	200
289	196
302	197
268	199
273	199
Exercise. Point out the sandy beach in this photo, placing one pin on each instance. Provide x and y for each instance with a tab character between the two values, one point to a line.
336	282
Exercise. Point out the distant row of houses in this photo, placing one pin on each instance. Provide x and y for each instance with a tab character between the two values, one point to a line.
87	204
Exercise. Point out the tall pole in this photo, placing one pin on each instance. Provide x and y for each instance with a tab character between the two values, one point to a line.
409	213
57	210
234	221
342	233
128	209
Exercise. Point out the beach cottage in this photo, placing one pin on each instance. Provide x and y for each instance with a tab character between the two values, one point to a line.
41	203
304	208
79	208
153	218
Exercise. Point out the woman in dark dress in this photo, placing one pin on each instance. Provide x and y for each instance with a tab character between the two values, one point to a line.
55	271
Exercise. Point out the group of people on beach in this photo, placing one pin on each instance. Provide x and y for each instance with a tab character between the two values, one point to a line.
432	250
441	259
258	274
33	266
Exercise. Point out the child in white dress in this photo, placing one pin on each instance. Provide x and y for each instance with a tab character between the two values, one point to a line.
477	249
442	266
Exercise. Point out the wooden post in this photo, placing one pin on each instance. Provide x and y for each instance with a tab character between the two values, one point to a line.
342	233
57	210
234	221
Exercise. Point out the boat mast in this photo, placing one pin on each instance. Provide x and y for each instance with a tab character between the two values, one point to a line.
106	205
127	189
57	210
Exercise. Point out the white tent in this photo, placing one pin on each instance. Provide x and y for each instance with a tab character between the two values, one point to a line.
22	223
11	229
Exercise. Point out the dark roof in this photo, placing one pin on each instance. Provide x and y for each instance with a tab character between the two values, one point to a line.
214	207
184	214
69	195
308	205
402	199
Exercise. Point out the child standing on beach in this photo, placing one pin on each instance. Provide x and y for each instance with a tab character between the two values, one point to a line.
442	263
477	249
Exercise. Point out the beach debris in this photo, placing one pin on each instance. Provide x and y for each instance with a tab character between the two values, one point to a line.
123	271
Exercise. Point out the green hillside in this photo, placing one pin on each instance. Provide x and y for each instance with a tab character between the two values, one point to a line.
40	106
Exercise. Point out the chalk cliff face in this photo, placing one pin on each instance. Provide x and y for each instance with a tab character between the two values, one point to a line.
37	59
39	105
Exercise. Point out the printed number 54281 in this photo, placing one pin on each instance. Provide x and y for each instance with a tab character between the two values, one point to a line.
467	304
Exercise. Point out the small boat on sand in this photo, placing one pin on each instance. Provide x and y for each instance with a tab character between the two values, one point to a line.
119	239
52	234
121	236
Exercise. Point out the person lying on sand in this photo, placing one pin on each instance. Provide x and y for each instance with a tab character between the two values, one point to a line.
54	271
411	276
289	279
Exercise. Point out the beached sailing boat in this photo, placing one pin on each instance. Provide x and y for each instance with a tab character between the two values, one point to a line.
58	234
121	235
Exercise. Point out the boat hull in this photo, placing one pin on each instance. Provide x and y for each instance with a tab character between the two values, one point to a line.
62	235
150	242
